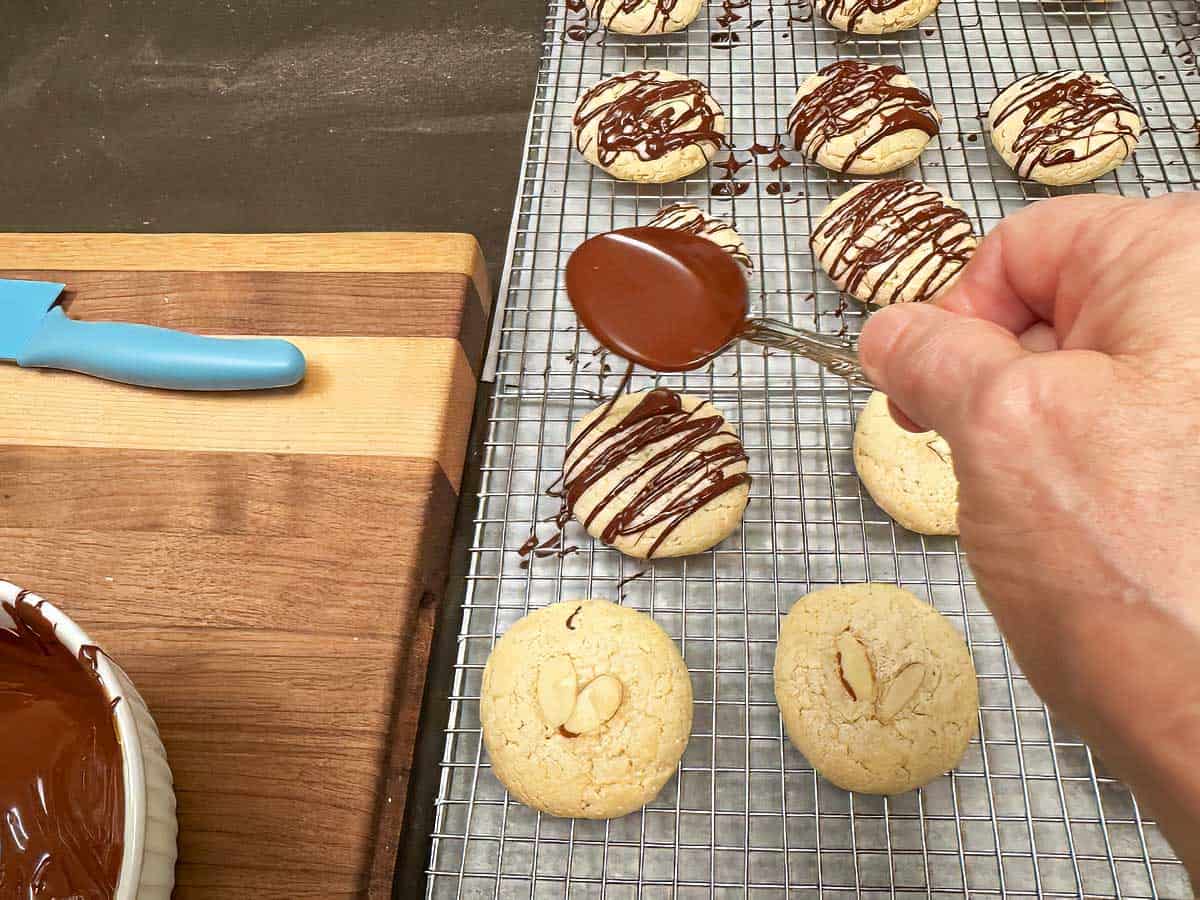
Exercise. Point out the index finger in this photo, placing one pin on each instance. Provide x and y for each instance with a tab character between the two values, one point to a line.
1015	277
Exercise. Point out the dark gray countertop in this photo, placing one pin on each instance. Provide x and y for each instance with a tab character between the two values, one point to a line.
269	115
265	115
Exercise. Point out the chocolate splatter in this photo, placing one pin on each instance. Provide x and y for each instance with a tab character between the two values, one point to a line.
852	95
651	117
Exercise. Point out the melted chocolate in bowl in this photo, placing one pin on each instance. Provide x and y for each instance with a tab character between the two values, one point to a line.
62	801
665	299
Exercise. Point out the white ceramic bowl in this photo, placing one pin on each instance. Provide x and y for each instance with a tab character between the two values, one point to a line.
148	859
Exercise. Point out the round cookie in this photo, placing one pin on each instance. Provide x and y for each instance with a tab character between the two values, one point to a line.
1065	127
910	476
895	241
693	220
874	16
608	672
656	474
645	16
862	119
876	688
650	125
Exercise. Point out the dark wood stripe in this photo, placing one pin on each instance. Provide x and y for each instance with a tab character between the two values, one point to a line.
368	304
412	666
252	494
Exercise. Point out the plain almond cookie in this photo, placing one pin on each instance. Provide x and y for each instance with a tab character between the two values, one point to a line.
910	476
862	119
895	241
656	474
586	709
645	16
691	219
874	16
876	688
650	126
1065	127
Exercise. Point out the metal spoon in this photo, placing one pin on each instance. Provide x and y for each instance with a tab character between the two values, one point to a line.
672	301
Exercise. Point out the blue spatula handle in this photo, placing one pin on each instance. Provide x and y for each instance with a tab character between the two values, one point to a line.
159	358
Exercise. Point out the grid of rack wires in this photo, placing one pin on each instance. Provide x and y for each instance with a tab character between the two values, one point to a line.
1030	811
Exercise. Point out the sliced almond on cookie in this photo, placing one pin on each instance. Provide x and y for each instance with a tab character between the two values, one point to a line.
854	667
900	691
557	687
597	703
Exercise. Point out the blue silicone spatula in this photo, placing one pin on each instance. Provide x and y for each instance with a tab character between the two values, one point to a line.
36	332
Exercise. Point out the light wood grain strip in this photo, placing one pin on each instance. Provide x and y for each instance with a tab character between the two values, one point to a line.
328	252
362	396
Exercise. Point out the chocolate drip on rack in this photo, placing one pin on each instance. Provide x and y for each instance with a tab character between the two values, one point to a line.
1081	108
854	93
854	9
692	220
680	477
651	118
917	226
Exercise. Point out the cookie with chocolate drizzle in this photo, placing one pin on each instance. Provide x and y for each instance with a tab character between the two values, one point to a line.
650	125
862	119
645	16
874	16
691	219
894	241
655	474
1065	127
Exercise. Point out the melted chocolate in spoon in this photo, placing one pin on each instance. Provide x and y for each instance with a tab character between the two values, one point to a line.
671	301
662	298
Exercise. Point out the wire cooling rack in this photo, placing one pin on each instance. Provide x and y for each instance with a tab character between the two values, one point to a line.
1030	811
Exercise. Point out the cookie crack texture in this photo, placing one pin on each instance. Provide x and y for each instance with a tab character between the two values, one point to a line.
910	476
622	762
924	703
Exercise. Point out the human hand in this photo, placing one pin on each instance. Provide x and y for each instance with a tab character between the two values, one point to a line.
1079	467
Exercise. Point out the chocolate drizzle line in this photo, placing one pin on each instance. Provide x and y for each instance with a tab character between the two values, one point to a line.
692	220
679	477
852	95
631	578
1062	107
918	226
854	10
584	28
650	117
661	17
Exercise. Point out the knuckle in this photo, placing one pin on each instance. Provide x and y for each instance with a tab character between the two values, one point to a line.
1019	398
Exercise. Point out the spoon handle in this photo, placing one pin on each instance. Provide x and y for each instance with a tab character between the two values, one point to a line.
838	355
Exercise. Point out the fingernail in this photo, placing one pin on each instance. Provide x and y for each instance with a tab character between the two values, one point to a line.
876	339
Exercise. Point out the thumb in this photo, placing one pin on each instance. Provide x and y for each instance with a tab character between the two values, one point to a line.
929	361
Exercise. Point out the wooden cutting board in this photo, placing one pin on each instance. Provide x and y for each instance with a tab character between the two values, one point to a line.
267	567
